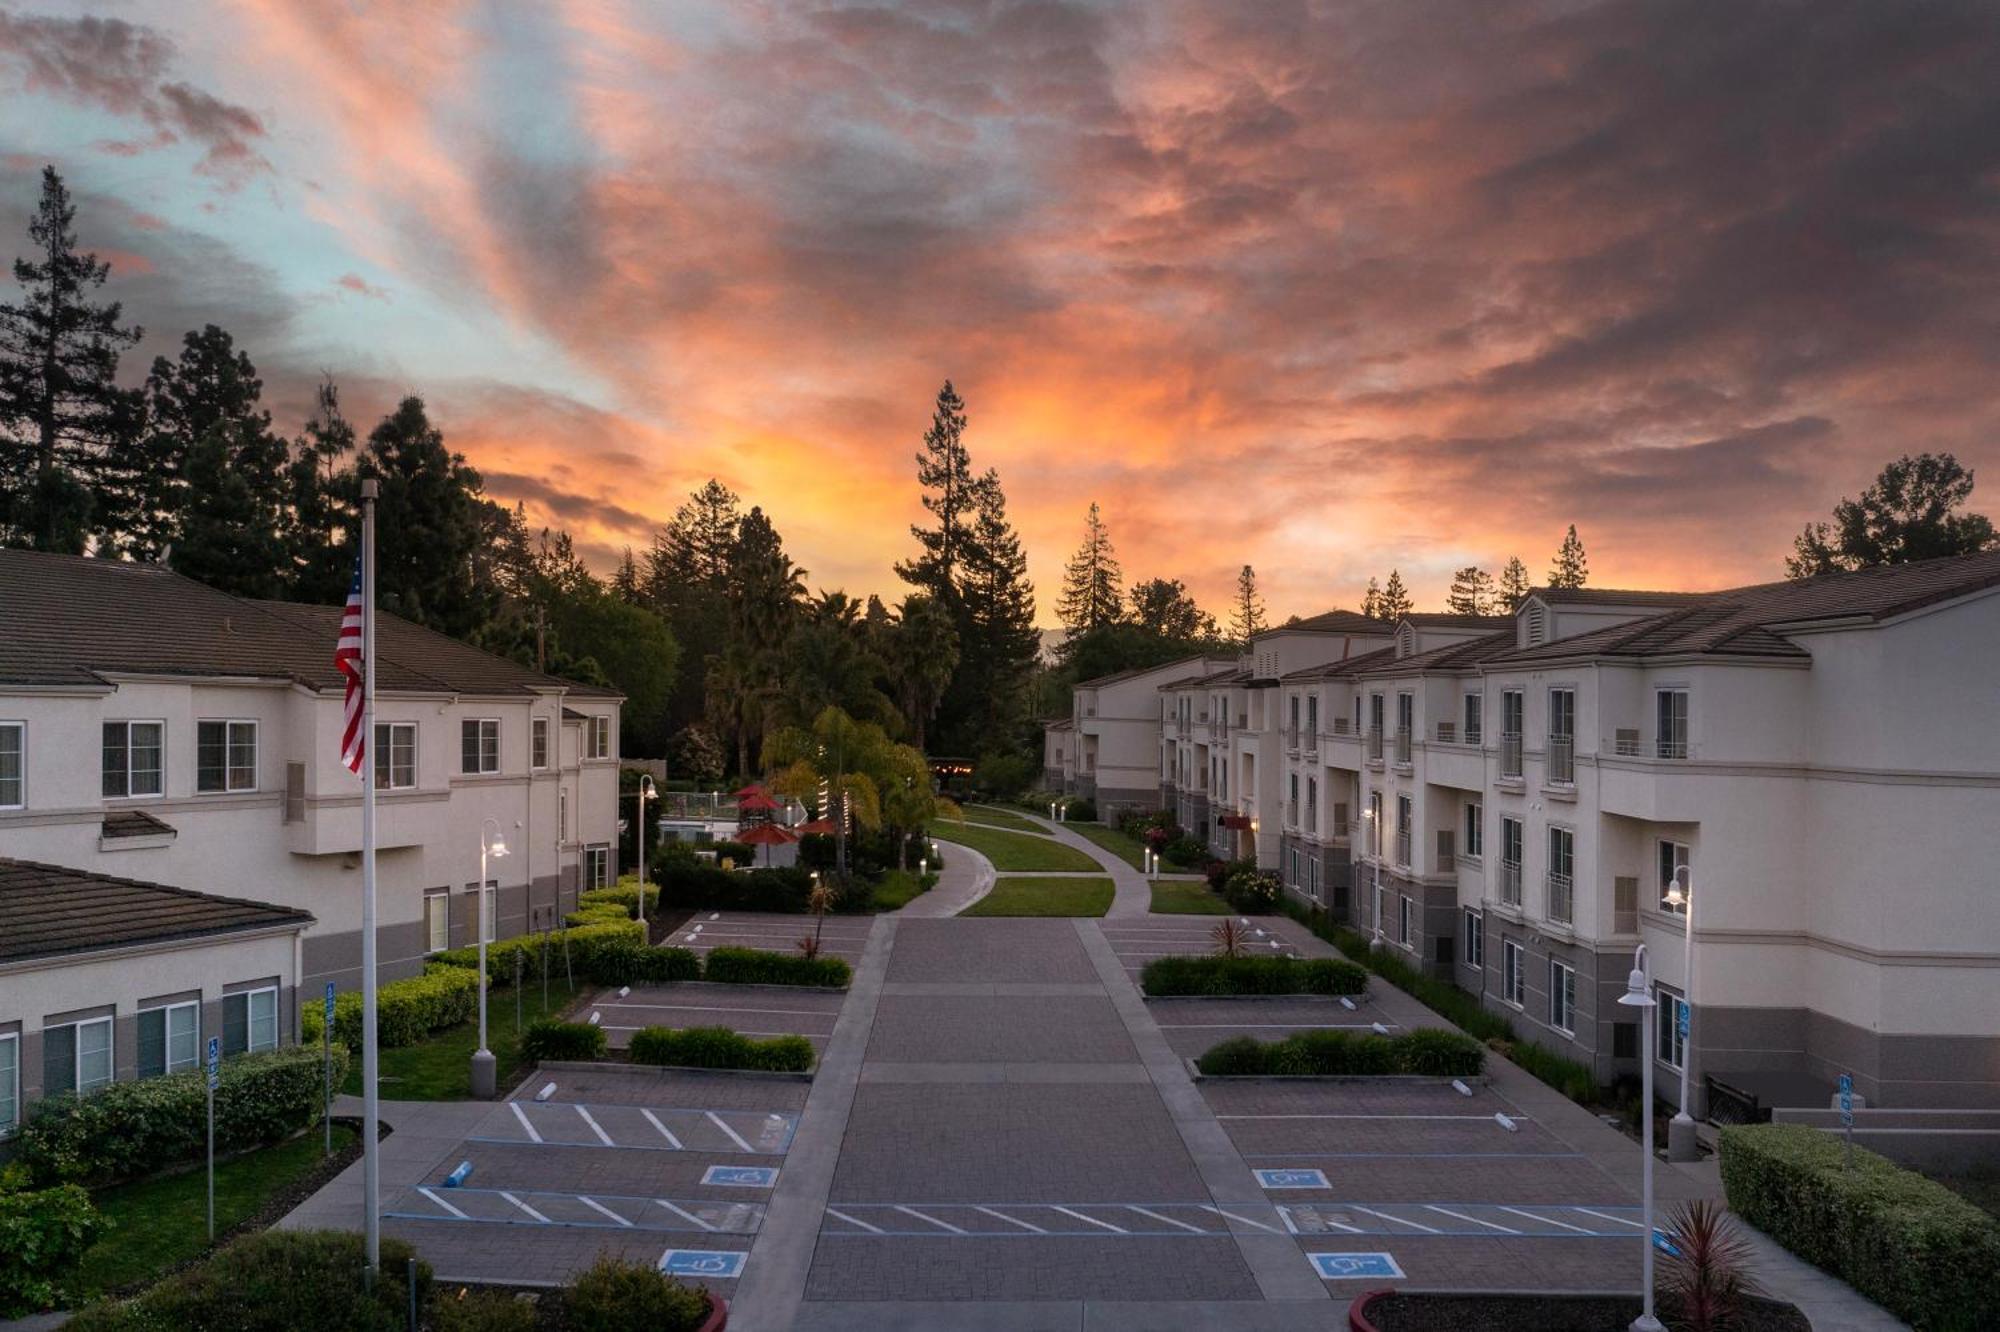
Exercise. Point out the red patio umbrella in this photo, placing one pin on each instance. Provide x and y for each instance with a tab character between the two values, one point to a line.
756	800
822	825
750	790
766	834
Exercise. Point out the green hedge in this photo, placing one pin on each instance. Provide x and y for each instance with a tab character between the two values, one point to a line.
1430	1051
635	964
719	1047
406	1010
752	966
709	888
129	1129
43	1236
1912	1246
585	943
624	895
549	1039
1252	975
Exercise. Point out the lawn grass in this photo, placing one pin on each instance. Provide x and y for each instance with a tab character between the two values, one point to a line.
439	1068
157	1223
1187	898
897	889
1079	896
1015	852
1127	849
992	816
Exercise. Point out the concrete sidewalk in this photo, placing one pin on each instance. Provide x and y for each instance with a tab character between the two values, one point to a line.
1132	895
966	877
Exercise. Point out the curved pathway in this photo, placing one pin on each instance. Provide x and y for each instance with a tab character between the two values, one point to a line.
1133	896
966	877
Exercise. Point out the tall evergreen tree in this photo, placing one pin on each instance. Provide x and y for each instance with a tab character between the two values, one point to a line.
65	425
686	579
1570	567
1162	607
1909	513
434	533
1371	600
952	496
1247	615
1513	585
1471	592
1091	595
319	504
1395	601
988	702
920	654
625	583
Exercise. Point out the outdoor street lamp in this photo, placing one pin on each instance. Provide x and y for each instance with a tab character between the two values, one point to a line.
646	792
1682	1144
1375	852
482	1058
1638	994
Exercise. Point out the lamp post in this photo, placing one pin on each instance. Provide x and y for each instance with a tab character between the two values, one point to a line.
1638	994
1682	1144
1375	852
646	793
482	1058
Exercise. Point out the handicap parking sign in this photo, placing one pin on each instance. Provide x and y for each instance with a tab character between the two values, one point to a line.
1291	1179
741	1177
1354	1266
722	1264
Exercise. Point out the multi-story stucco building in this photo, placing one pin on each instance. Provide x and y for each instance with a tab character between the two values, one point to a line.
1108	748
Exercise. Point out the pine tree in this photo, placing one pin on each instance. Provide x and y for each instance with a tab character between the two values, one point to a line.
319	505
951	496
988	699
1092	595
1247	616
1395	602
1163	608
435	536
692	551
1513	585
625	583
1570	567
65	425
1909	513
1471	592
1371	600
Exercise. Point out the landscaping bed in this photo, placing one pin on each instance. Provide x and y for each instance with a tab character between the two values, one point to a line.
1226	976
1079	896
1429	1052
1017	852
1419	1311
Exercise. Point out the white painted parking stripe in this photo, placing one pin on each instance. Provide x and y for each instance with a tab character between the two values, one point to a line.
665	1132
1399	1220
1116	1230
1013	1219
524	1207
1482	1119
522	1115
596	1128
853	1221
597	1206
933	1220
683	1212
1605	1216
1244	1219
1490	1225
734	1137
442	1203
1134	1207
1545	1220
1274	1026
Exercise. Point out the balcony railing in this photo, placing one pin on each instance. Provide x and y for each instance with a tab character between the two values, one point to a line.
1472	734
1402	744
1625	743
1447	733
1672	747
1292	742
1375	746
1562	759
1291	813
1562	895
1510	754
1342	726
1510	882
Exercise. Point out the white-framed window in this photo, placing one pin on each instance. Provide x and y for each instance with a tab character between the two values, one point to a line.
10	1084
1312	721
76	1057
225	756
597	866
1513	973
1562	869
437	920
169	1038
1670	729
1475	831
395	756
250	1021
1406	821
1475	709
562	816
479	744
597	737
1673	856
1562	735
134	759
1512	712
13	764
1511	831
485	907
1475	939
1406	921
1562	997
1672	1048
538	743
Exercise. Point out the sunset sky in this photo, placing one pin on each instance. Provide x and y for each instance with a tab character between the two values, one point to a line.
1327	288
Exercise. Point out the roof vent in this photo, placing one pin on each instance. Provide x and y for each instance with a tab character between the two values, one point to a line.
1537	623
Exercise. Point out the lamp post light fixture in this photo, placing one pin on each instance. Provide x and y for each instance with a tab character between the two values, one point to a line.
1638	994
482	1058
1375	940
1682	1143
646	792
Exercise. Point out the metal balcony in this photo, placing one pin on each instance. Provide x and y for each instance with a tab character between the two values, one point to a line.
1562	759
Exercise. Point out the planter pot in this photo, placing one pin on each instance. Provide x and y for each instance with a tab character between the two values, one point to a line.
1471	1311
718	1315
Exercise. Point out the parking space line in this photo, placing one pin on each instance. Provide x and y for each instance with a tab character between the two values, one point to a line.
1116	1230
1244	1219
853	1221
733	1135
911	1211
1483	1119
683	1212
442	1203
1368	1156
1271	1026
1545	1220
1603	1216
665	1132
1285	1215
1134	1207
524	1207
1460	1216
1398	1220
1013	1219
522	1115
595	1127
597	1206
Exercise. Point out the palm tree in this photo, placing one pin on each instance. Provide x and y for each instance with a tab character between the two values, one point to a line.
921	653
738	690
839	755
909	799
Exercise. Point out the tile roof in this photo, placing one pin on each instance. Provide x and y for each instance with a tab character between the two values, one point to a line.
1448	620
72	619
1344	668
1134	672
56	912
1451	657
134	823
1613	596
1335	622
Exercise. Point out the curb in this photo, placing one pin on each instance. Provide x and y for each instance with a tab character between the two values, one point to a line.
635	1070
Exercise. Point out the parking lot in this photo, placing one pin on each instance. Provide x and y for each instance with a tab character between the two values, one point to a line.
1137	940
840	936
752	1010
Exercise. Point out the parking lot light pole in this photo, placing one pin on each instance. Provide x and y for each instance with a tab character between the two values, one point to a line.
483	1070
645	794
1638	994
1375	852
1682	1143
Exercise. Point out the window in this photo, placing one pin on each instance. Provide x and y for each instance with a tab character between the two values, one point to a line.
1672	1008
1510	733
395	756
1475	831
562	816
437	921
1292	735
538	755
1673	857
1513	980
1562	866
1671	723
1312	804
1405	821
250	1021
134	759
13	766
1510	861
1475	708
1562	997
76	1057
1406	715
1403	924
169	1039
1312	721
1562	735
597	737
1475	939
1374	823
479	745
1292	798
597	866
10	1085
225	756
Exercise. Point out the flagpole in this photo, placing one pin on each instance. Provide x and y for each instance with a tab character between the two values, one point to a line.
371	1161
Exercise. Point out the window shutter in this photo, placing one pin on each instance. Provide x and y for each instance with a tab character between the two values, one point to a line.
235	1024
152	1042
58	1060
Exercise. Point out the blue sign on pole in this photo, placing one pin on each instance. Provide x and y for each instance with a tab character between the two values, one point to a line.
1291	1179
329	1005
1847	1100
1355	1266
722	1264
1683	1012
214	1062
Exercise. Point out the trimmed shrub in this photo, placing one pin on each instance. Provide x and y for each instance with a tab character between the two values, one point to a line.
719	1047
1080	809
135	1128
1433	1051
605	913
1439	1053
406	1010
43	1236
1252	975
1184	850
1911	1245
275	1281
624	895
586	944
635	964
753	966
616	1296
709	888
484	1311
549	1039
1253	891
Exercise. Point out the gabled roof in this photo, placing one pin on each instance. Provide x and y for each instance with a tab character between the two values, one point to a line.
1207	680
1345	668
1613	596
1459	656
56	912
1334	622
1136	671
1059	724
1448	620
72	620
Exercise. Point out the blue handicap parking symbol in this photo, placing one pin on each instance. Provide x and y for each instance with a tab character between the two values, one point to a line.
1352	1266
741	1177
1665	1245
1291	1179
723	1264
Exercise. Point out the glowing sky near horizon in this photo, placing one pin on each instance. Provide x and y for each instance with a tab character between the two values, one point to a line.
1328	289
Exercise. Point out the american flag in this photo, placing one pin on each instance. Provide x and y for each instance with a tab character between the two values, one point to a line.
347	660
